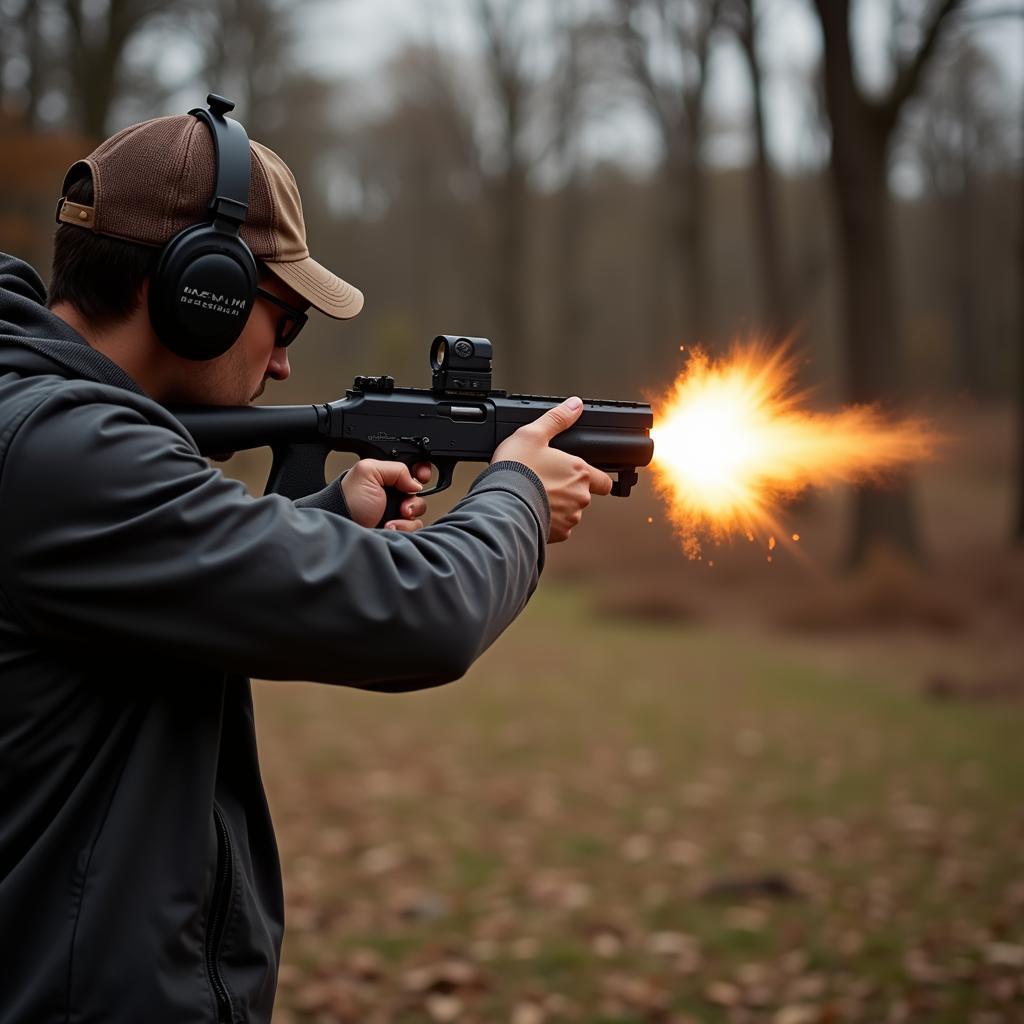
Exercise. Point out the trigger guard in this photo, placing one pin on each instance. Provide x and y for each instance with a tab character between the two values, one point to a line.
445	475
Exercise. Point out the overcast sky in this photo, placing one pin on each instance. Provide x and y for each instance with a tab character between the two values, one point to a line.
355	38
358	36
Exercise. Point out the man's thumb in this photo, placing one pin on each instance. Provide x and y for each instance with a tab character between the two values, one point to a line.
560	418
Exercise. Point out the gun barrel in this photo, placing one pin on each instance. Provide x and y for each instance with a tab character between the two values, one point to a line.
609	434
606	449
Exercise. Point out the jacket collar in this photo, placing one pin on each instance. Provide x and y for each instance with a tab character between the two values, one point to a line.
35	341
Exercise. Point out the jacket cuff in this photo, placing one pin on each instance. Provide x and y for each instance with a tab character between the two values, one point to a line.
330	499
522	481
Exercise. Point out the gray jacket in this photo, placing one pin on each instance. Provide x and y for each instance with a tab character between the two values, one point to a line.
139	588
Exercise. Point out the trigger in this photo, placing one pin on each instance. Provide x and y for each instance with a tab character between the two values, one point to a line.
445	475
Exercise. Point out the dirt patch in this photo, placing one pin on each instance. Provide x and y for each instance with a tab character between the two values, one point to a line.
951	688
889	593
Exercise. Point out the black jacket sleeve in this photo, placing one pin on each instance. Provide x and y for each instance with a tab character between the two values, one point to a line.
330	499
118	534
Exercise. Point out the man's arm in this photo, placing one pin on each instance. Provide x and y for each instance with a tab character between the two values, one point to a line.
119	536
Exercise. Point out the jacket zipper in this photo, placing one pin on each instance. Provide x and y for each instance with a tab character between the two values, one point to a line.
218	917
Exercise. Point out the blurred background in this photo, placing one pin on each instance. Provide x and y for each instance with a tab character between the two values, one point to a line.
728	789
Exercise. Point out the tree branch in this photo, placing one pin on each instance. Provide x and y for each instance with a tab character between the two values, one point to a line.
909	75
636	53
992	14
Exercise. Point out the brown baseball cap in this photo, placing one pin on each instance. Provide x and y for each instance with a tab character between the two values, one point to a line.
154	179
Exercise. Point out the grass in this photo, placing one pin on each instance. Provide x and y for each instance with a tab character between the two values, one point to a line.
541	841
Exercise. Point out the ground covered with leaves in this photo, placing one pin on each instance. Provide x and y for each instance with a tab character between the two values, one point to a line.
617	819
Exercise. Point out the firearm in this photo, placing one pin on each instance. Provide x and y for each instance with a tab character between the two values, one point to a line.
459	419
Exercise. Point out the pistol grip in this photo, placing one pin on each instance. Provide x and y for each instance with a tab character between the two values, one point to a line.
395	497
297	470
393	506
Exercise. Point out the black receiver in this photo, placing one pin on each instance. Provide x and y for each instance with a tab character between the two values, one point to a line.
205	283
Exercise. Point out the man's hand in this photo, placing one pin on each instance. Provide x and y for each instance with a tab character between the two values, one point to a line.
568	480
363	486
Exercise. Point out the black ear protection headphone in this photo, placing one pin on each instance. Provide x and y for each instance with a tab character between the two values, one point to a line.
204	286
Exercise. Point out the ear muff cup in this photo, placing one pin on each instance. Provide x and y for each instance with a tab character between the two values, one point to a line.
202	292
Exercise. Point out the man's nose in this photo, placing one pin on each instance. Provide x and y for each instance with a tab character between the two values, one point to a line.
278	368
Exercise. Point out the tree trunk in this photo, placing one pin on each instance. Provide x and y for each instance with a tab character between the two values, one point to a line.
34	48
569	294
687	190
962	215
766	214
507	190
661	330
1019	531
99	36
872	349
96	91
571	305
96	47
510	296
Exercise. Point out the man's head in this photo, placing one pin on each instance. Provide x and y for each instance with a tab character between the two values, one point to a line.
153	183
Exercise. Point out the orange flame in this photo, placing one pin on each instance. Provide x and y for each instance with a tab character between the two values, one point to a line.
733	440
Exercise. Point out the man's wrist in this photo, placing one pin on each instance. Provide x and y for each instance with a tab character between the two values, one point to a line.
534	493
330	499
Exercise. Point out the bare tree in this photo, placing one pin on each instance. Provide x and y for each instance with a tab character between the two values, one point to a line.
419	162
1019	526
668	43
959	142
745	17
97	38
35	54
248	56
862	131
570	30
23	40
504	33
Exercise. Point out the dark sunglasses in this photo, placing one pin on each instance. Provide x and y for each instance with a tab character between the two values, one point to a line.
289	324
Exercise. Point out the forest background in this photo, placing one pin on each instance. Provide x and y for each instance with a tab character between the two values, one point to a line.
753	765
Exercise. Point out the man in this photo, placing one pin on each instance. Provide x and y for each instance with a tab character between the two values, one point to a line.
140	588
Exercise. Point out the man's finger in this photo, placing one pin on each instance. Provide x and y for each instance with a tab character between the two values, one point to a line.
423	471
560	418
600	483
396	474
404	525
414	508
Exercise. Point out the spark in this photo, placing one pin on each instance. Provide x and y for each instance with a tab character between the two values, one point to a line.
735	440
